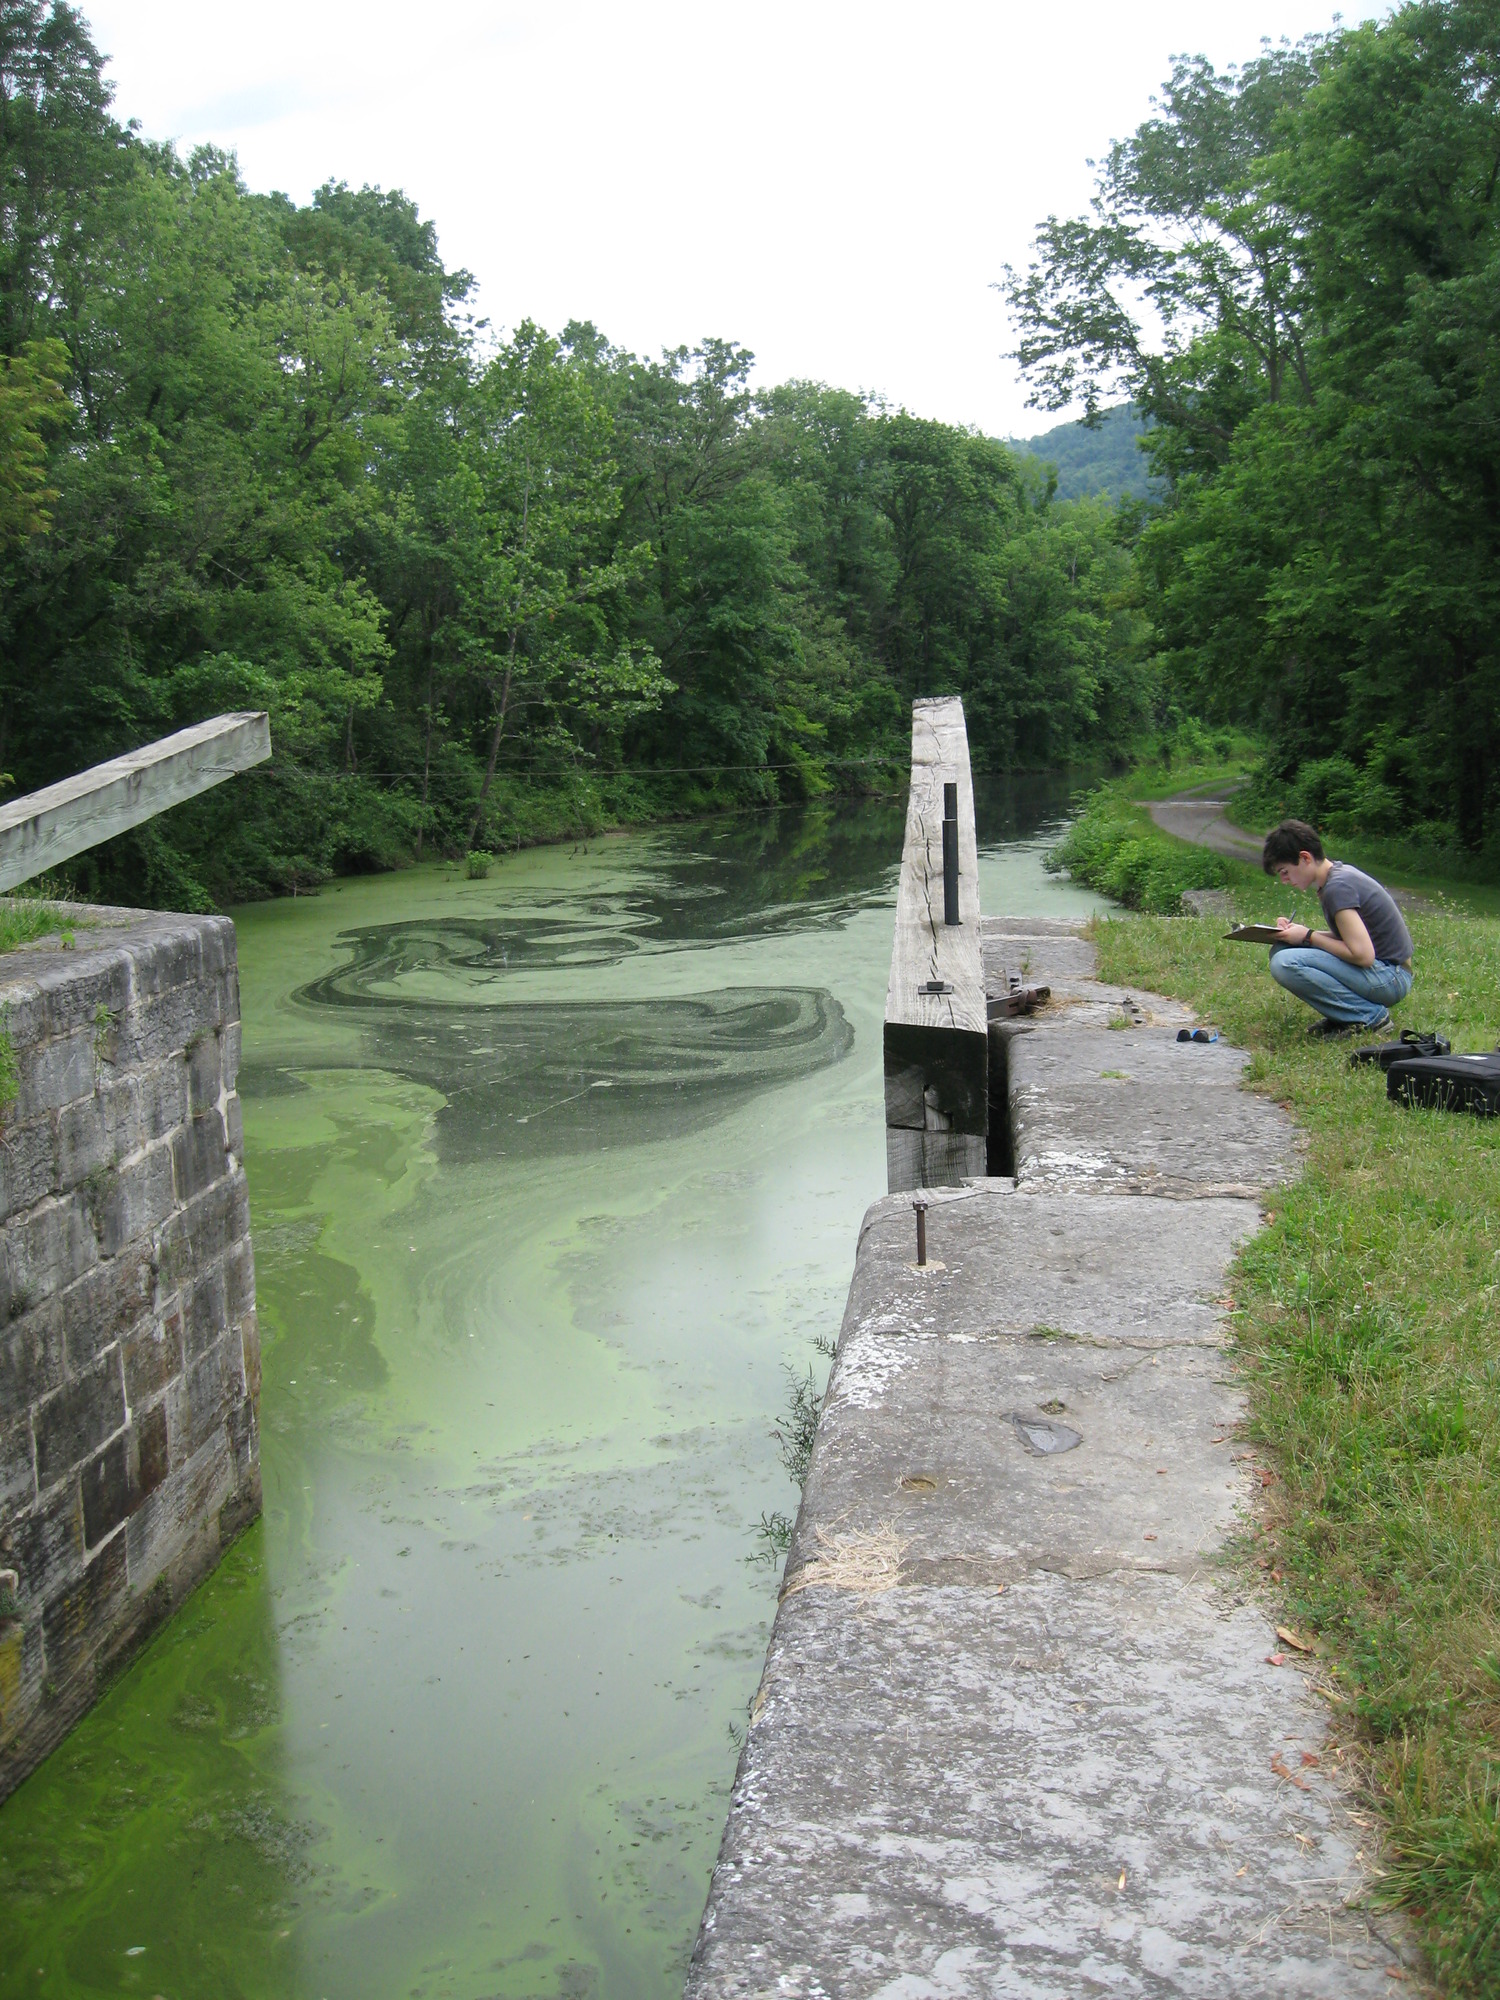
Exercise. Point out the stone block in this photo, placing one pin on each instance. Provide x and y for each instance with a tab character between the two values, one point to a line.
173	958
239	1278
138	1199
118	1479
174	1402
215	1381
84	1145
152	1353
167	1519
105	1487
163	1092
28	1172
105	1304
150	1444
70	992
77	1418
55	1074
201	1230
154	1031
96	1131
234	1127
204	1074
249	1332
23	1669
75	1621
46	1543
33	1356
238	1220
17	1465
45	1249
198	1155
205	1313
230	1050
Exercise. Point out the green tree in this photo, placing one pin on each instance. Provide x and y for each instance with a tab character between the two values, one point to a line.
533	633
1317	234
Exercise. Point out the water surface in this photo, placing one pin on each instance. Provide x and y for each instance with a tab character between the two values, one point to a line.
554	1178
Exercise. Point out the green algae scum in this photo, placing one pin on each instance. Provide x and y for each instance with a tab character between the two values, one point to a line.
554	1175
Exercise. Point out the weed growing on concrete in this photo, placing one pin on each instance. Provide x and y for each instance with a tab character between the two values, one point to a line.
104	1026
797	1426
773	1538
10	1070
1365	1321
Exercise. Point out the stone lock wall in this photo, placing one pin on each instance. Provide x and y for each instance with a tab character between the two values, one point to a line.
129	1359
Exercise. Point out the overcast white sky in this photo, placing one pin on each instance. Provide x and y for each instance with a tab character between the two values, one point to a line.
834	185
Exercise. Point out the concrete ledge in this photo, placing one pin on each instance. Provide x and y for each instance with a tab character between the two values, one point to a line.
1061	1790
1020	1731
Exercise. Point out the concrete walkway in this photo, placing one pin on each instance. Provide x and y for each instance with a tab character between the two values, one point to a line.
1019	1732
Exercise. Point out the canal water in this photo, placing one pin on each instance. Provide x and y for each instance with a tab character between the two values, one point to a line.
555	1184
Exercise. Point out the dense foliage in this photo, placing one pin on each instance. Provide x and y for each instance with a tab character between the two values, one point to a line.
259	455
1293	271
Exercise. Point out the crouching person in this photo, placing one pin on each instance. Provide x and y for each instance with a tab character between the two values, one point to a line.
1361	965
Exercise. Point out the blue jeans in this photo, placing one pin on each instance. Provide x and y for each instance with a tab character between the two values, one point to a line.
1339	991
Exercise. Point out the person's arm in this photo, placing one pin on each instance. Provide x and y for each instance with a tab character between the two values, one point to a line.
1350	942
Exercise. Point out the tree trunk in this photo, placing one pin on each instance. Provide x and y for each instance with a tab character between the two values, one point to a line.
426	762
489	769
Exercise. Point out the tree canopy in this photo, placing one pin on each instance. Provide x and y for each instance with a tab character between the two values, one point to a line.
1293	270
258	453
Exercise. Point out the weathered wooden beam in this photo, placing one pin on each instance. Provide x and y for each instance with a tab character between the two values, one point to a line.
46	828
936	1030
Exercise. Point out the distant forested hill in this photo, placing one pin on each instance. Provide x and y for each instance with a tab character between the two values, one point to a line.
1105	460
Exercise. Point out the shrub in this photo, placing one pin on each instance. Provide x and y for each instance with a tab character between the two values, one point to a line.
1112	846
479	864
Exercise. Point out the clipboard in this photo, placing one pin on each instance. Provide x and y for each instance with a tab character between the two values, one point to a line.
1256	934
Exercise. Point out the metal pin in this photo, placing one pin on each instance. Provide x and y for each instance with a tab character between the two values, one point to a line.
921	1212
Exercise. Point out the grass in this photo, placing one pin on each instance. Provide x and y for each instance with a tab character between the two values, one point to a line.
24	919
1365	1322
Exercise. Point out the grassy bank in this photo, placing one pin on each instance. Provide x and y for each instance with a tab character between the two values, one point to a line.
1365	1322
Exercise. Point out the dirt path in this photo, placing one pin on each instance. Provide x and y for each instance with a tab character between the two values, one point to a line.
1197	815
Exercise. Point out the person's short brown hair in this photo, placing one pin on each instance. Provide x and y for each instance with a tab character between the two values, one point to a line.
1285	844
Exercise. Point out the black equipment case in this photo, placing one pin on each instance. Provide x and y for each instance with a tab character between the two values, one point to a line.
1448	1083
1413	1042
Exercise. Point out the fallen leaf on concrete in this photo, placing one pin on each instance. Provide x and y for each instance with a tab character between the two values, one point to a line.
1276	1659
1150	1538
1302	1645
1121	1883
1266	1478
1279	1766
1311	1757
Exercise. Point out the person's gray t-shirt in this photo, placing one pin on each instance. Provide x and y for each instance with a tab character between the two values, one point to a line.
1351	889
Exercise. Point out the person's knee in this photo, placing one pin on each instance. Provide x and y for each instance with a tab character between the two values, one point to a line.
1284	968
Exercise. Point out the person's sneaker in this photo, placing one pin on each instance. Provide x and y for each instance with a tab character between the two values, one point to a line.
1329	1030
